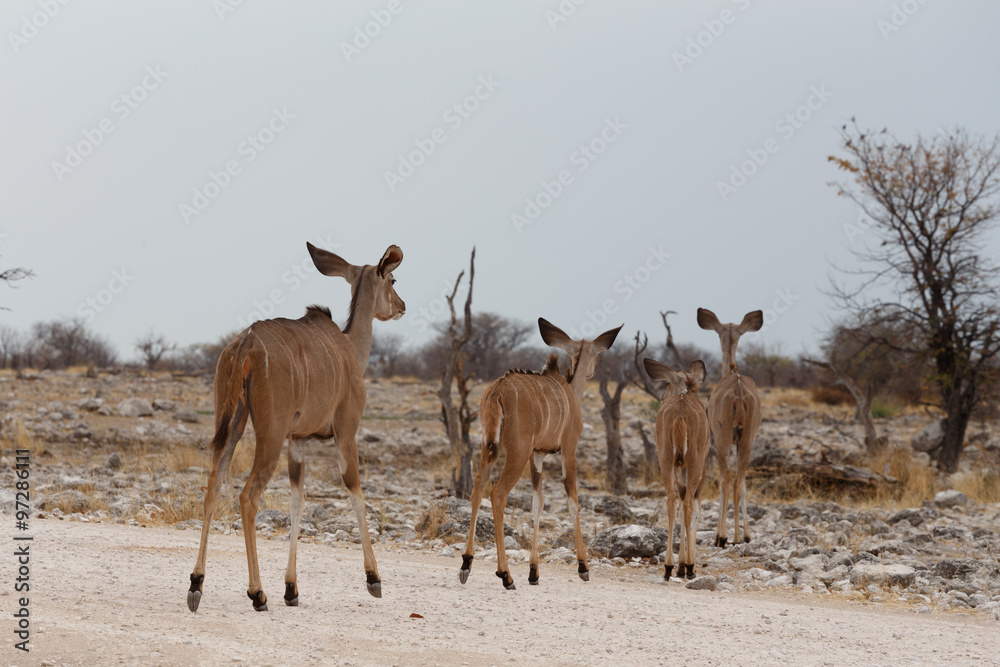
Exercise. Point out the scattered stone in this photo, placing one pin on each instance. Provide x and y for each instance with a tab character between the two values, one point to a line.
703	583
186	415
616	509
950	498
164	404
631	541
928	438
114	462
135	407
863	574
104	410
91	404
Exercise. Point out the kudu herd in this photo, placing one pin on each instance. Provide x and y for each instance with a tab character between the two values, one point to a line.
301	380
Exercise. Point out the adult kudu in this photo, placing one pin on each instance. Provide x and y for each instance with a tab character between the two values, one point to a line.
734	416
298	380
529	415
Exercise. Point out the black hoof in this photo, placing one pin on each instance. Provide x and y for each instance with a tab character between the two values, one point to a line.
508	582
747	539
259	600
668	571
582	570
291	595
463	574
194	593
721	541
374	585
690	571
533	575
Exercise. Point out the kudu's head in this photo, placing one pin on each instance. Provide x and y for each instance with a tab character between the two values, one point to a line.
374	284
677	381
729	334
582	353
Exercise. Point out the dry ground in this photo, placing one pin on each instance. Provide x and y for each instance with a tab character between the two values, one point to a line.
106	594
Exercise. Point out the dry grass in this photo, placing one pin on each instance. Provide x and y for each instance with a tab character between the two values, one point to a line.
430	523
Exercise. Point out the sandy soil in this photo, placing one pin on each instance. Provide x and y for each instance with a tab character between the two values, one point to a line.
104	594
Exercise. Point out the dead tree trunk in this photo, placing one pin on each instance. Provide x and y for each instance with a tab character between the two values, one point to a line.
611	415
862	403
650	461
457	419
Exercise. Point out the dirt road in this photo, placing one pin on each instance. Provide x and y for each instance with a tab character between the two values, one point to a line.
112	594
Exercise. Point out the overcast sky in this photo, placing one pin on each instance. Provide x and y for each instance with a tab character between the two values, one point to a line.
164	162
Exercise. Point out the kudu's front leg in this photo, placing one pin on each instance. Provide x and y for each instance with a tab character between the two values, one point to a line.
349	470
569	482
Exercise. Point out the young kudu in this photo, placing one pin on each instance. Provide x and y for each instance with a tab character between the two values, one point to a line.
733	415
298	380
682	444
529	415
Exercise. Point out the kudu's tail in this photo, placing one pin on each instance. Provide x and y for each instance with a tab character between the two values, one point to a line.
741	411
491	418
231	406
679	436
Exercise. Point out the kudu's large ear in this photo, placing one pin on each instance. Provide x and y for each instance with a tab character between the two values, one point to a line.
698	371
332	265
392	258
752	321
659	371
556	337
707	320
606	339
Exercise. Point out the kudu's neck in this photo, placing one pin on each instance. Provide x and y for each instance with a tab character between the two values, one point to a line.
577	384
359	325
728	359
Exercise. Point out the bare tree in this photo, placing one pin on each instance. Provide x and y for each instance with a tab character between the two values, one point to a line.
152	347
862	401
928	205
11	347
63	343
614	367
387	349
457	419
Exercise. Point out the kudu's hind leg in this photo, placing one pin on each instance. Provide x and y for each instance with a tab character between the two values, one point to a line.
740	512
260	474
725	488
220	469
508	478
537	503
296	478
349	468
264	462
486	460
